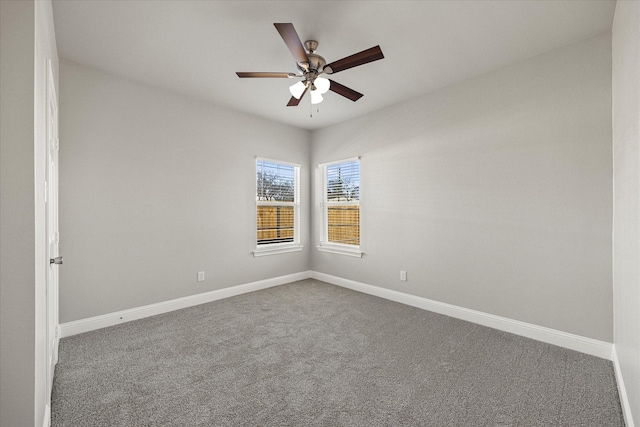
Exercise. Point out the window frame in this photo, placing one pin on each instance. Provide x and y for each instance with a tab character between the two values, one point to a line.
333	247
282	247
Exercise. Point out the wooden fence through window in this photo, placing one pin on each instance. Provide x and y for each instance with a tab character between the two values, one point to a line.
275	224
343	224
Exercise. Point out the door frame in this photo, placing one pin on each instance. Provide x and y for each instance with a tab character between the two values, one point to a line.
52	332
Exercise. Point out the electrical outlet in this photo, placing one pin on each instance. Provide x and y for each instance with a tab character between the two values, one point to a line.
403	275
200	276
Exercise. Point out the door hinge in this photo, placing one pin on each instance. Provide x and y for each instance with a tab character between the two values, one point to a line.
46	191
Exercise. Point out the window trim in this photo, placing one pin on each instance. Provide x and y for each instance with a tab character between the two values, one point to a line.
325	245
284	247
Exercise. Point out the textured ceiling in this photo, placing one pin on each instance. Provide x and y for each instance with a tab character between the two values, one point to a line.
195	47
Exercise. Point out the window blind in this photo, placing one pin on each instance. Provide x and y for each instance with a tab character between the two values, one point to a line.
343	181
275	182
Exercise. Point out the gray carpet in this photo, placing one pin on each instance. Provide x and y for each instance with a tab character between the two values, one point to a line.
309	353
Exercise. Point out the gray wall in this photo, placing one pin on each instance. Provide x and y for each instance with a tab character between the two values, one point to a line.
493	194
26	43
155	187
626	216
17	214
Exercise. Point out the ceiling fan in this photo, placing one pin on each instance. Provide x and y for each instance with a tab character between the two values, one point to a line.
312	66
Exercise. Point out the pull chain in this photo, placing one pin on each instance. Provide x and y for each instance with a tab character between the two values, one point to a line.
311	110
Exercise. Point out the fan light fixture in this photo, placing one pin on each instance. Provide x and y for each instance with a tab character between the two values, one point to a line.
322	84
316	95
319	86
297	89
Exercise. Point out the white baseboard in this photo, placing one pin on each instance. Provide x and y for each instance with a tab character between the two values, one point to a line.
622	391
56	344
111	319
550	336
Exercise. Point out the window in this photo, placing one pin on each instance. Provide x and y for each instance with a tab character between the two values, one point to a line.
341	207
277	207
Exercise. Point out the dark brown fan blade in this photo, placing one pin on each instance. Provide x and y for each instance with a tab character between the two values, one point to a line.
293	42
345	91
369	55
265	74
293	102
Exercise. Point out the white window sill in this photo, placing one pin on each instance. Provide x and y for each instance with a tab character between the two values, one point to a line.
279	250
340	250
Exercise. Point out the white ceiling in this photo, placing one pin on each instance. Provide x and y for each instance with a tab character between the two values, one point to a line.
195	47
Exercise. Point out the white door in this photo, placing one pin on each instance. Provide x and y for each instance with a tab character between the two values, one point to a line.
53	236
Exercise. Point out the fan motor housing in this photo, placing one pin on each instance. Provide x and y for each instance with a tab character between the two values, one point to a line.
316	62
